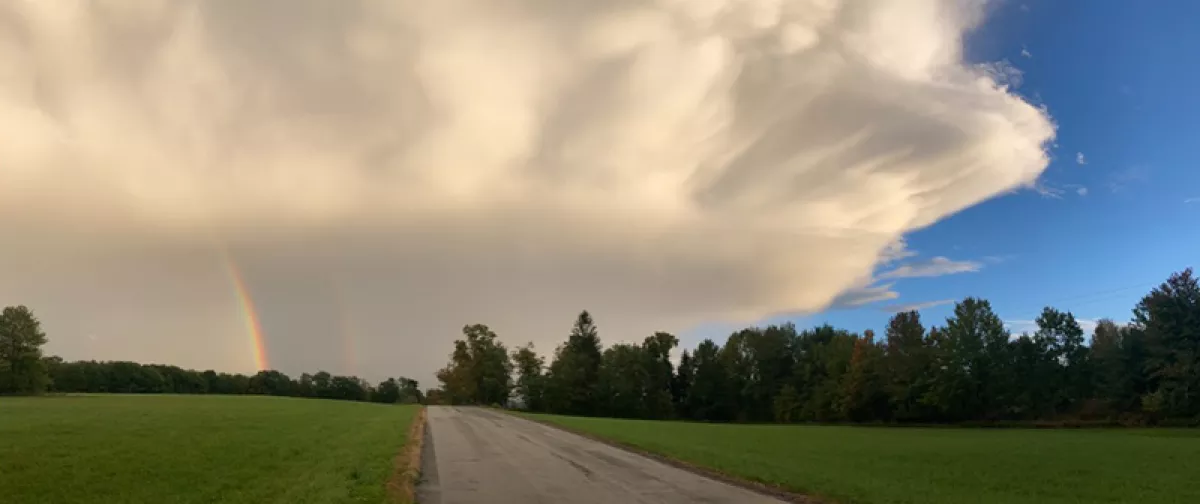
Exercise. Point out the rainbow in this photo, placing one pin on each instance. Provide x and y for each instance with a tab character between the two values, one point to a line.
249	313
345	326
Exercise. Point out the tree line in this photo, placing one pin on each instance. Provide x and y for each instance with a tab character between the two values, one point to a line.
967	369
24	370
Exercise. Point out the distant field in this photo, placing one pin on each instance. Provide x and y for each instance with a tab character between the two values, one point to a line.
951	466
119	449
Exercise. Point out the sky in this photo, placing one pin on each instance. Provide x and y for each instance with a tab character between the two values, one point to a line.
307	185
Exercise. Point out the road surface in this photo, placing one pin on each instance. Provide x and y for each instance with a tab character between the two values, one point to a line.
475	455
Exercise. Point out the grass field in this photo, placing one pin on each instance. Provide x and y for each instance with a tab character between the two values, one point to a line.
190	449
911	465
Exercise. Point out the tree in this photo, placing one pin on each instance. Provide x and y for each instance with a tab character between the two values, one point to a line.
1169	316
907	365
530	387
21	338
786	404
492	368
1070	378
863	396
304	386
349	388
621	383
681	384
972	372
410	391
480	370
458	384
657	373
1118	355
387	392
575	370
709	396
323	385
271	382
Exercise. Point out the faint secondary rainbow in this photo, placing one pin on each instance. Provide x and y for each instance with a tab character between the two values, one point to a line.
249	314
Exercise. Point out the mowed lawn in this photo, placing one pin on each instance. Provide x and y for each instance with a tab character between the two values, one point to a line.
919	465
118	449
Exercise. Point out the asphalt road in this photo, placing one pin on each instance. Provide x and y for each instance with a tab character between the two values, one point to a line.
475	455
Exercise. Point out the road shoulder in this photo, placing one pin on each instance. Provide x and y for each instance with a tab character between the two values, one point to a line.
401	486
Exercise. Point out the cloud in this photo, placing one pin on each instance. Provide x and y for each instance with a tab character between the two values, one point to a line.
871	291
385	172
1052	191
937	266
917	306
1081	190
1045	190
1080	159
1120	180
895	251
997	259
864	295
1191	200
1025	52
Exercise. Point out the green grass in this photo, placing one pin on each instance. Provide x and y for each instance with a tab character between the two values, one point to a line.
120	449
924	465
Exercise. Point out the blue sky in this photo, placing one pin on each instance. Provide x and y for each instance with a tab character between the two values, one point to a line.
1101	229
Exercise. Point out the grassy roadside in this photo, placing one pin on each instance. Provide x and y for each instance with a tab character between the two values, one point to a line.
401	486
193	449
919	465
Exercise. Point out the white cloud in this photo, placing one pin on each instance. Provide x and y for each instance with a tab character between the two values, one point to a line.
937	266
1080	158
917	306
660	163
1025	52
1082	191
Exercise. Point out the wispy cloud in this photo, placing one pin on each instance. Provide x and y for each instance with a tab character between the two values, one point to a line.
1056	190
1191	200
1121	179
1081	190
917	306
895	251
935	267
860	296
872	291
997	259
1046	190
1025	52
